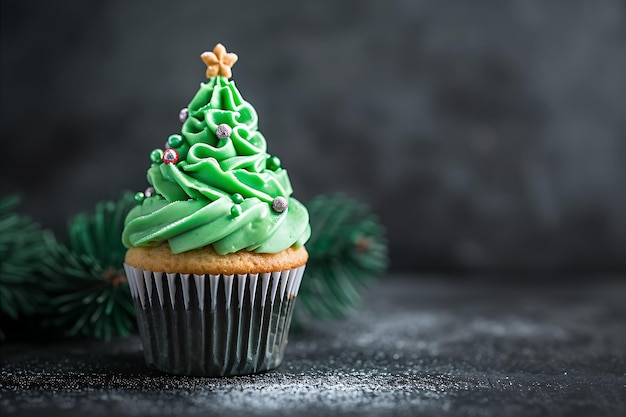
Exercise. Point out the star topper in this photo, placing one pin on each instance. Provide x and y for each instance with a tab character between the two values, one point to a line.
219	62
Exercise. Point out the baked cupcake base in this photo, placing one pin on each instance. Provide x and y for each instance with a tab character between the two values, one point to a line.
206	260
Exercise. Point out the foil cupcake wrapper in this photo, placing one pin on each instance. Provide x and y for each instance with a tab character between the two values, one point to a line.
213	325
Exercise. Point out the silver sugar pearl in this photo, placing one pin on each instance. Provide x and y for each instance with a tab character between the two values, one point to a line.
280	204
223	131
183	114
149	192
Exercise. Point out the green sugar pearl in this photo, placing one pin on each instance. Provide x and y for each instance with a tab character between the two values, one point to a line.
139	197
237	198
273	163
156	156
175	141
235	210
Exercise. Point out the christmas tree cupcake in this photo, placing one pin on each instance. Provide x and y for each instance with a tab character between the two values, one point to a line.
216	245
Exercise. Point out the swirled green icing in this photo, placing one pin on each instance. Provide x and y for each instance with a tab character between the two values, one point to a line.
220	191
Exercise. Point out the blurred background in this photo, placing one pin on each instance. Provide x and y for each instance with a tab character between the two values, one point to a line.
487	135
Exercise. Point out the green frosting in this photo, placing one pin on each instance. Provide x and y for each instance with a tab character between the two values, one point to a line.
220	191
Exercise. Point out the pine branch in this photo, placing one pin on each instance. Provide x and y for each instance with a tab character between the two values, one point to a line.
85	281
347	251
23	244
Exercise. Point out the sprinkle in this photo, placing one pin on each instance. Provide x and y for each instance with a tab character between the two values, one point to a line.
183	114
170	156
235	210
174	141
156	156
223	131
280	204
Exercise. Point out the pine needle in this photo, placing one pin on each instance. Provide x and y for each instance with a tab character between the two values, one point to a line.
347	251
23	244
85	281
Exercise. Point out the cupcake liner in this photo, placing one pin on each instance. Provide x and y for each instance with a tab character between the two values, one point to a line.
213	325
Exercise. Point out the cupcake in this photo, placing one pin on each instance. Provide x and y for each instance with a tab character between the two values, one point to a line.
216	245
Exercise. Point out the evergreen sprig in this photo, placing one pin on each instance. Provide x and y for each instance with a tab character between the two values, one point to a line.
23	245
87	289
347	250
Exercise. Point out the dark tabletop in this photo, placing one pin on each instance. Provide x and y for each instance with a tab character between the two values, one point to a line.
419	346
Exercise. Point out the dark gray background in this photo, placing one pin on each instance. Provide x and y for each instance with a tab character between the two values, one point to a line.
486	134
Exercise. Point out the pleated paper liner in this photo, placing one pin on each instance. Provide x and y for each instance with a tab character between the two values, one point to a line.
214	325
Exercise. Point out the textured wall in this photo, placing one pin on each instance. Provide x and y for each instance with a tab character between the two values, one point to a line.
486	134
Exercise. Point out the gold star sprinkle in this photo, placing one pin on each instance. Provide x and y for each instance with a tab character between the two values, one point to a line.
219	62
